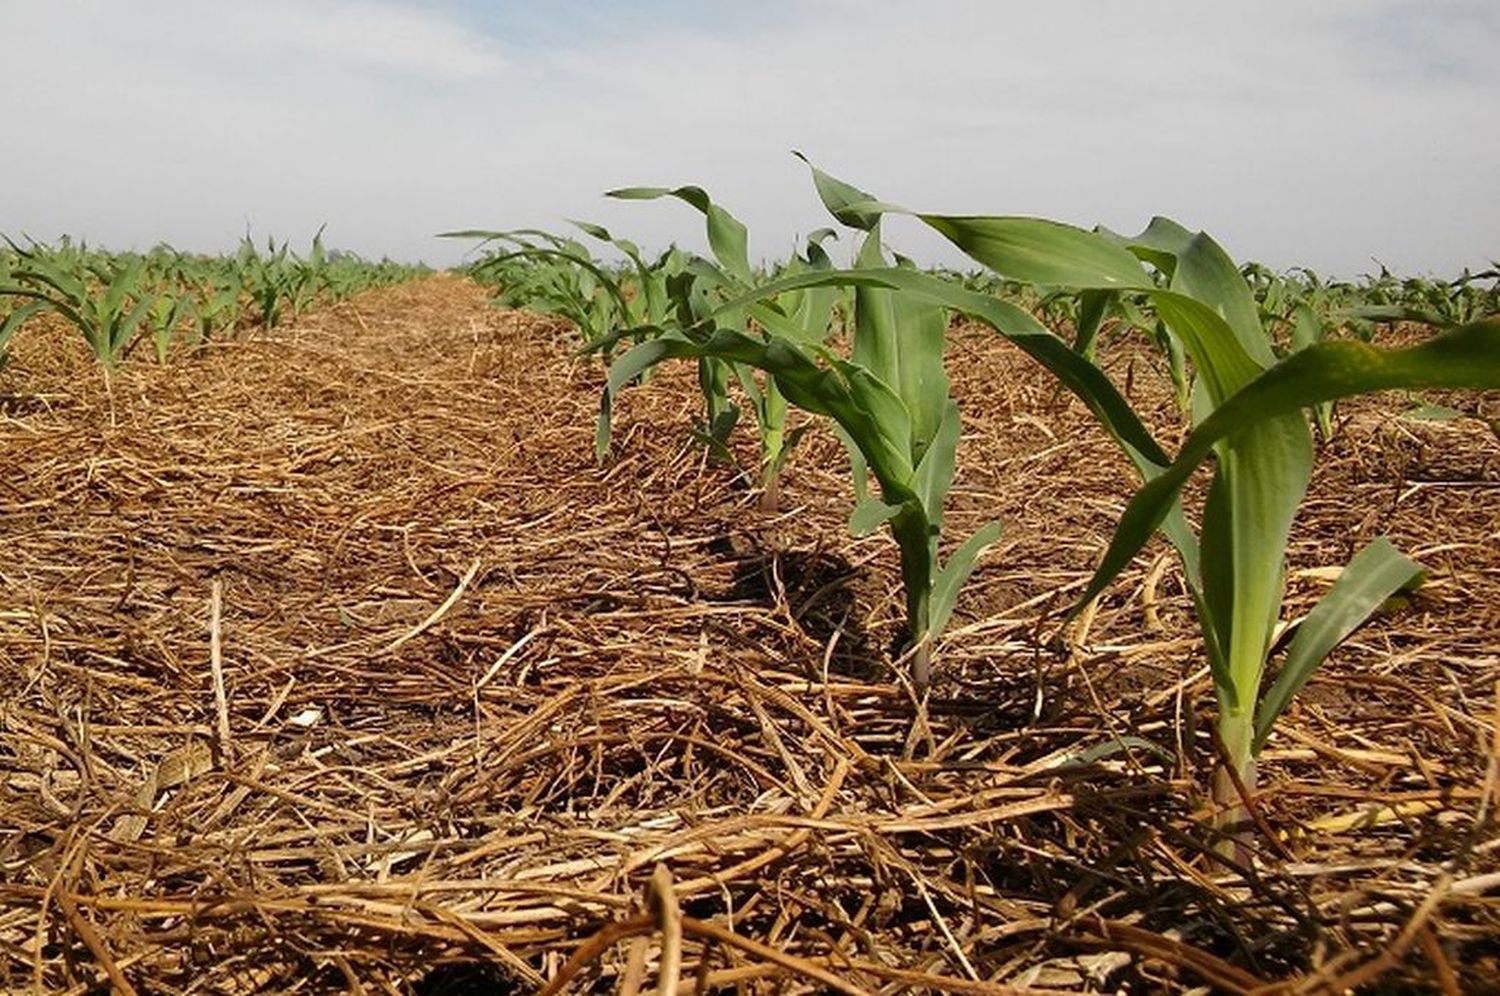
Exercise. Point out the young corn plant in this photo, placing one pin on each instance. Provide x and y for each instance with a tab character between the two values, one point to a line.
803	315
105	298
647	300
308	278
214	307
549	273
889	398
162	320
806	314
13	315
278	282
1250	407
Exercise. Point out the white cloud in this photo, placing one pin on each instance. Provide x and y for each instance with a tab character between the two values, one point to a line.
1289	130
383	36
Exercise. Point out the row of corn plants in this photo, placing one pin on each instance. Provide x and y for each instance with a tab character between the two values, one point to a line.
1258	360
170	300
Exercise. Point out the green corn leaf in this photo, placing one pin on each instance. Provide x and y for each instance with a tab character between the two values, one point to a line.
1262	476
1206	274
69	290
485	235
951	577
1093	308
124	282
1042	252
1030	249
751	388
792	327
723	424
17	318
870	514
1307	328
868	410
901	341
1086	380
934	474
1159	244
625	369
850	205
1081	376
1392	313
651	280
1218	355
1375	574
859	470
922	377
1111	747
887	418
789	443
726	234
1467	357
121	331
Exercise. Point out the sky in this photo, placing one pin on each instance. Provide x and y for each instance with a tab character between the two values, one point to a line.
1321	133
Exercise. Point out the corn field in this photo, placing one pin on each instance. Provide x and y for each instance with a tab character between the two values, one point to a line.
173	301
602	616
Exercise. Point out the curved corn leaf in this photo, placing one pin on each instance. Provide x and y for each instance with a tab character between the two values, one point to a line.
867	409
16	319
1034	250
936	466
1247	521
1467	357
1044	252
727	236
850	205
869	515
951	577
1375	574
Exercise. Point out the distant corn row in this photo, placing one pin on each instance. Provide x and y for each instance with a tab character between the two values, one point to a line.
1253	353
170	301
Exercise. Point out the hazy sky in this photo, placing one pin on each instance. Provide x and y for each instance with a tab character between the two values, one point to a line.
1317	132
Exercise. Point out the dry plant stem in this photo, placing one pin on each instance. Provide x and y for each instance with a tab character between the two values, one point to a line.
1442	971
635	966
613	933
506	956
216	664
1224	976
801	966
607	937
1382	963
438	613
91	939
663	903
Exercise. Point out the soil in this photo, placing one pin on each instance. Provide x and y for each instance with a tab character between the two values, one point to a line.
333	662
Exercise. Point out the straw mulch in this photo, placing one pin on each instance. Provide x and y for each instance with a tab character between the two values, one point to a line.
333	663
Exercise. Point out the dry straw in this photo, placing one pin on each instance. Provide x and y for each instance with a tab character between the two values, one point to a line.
469	711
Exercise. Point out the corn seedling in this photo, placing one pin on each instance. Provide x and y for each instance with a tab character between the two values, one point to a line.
214	308
802	315
116	299
549	273
169	309
107	317
889	399
1250	406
